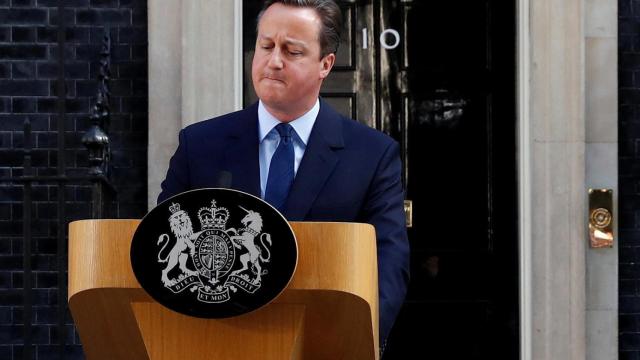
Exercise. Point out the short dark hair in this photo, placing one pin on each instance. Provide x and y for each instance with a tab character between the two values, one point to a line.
330	16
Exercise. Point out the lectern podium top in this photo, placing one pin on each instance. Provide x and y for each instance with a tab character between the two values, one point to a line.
329	310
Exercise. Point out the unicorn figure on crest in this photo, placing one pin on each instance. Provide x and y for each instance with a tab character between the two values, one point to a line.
245	237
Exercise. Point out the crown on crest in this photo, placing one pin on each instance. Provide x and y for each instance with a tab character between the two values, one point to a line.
174	208
213	217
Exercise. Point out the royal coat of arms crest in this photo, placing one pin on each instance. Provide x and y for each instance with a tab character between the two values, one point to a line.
212	250
239	253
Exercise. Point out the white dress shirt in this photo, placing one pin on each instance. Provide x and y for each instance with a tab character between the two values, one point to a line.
269	138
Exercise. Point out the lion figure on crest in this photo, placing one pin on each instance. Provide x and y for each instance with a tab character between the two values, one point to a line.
252	226
182	228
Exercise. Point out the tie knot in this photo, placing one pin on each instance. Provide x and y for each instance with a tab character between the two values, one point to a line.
284	130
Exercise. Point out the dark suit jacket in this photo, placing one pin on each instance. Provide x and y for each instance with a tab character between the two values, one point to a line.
349	173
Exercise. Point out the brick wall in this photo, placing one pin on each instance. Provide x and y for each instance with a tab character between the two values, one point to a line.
629	177
28	72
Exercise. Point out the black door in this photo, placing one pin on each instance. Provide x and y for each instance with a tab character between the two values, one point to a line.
439	76
452	87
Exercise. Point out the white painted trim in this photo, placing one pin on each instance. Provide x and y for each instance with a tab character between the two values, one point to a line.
238	55
524	177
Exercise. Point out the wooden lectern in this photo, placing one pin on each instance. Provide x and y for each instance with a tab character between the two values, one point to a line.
328	311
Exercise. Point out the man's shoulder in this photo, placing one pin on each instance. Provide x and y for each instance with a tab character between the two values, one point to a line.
220	125
355	133
359	133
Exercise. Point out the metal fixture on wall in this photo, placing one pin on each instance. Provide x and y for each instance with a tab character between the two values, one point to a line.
601	218
95	139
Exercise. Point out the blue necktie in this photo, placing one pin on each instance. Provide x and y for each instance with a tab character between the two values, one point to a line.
281	172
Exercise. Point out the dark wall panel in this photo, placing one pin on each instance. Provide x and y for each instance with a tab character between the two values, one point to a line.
28	89
629	177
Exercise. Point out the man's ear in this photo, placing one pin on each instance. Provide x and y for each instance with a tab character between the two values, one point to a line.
327	63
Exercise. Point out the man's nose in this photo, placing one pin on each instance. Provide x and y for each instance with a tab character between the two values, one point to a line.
275	59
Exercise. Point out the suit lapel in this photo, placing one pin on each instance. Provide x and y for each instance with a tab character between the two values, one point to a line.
241	153
319	160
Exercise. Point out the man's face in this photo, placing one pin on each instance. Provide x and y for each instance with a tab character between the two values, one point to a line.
287	71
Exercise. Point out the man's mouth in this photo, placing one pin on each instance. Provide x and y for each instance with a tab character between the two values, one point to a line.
273	78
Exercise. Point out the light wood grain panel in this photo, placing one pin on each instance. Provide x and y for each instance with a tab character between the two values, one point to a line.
270	334
99	254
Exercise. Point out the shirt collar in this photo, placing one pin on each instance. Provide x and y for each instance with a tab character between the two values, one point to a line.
301	125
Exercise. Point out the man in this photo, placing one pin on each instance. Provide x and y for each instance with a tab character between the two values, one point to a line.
296	152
